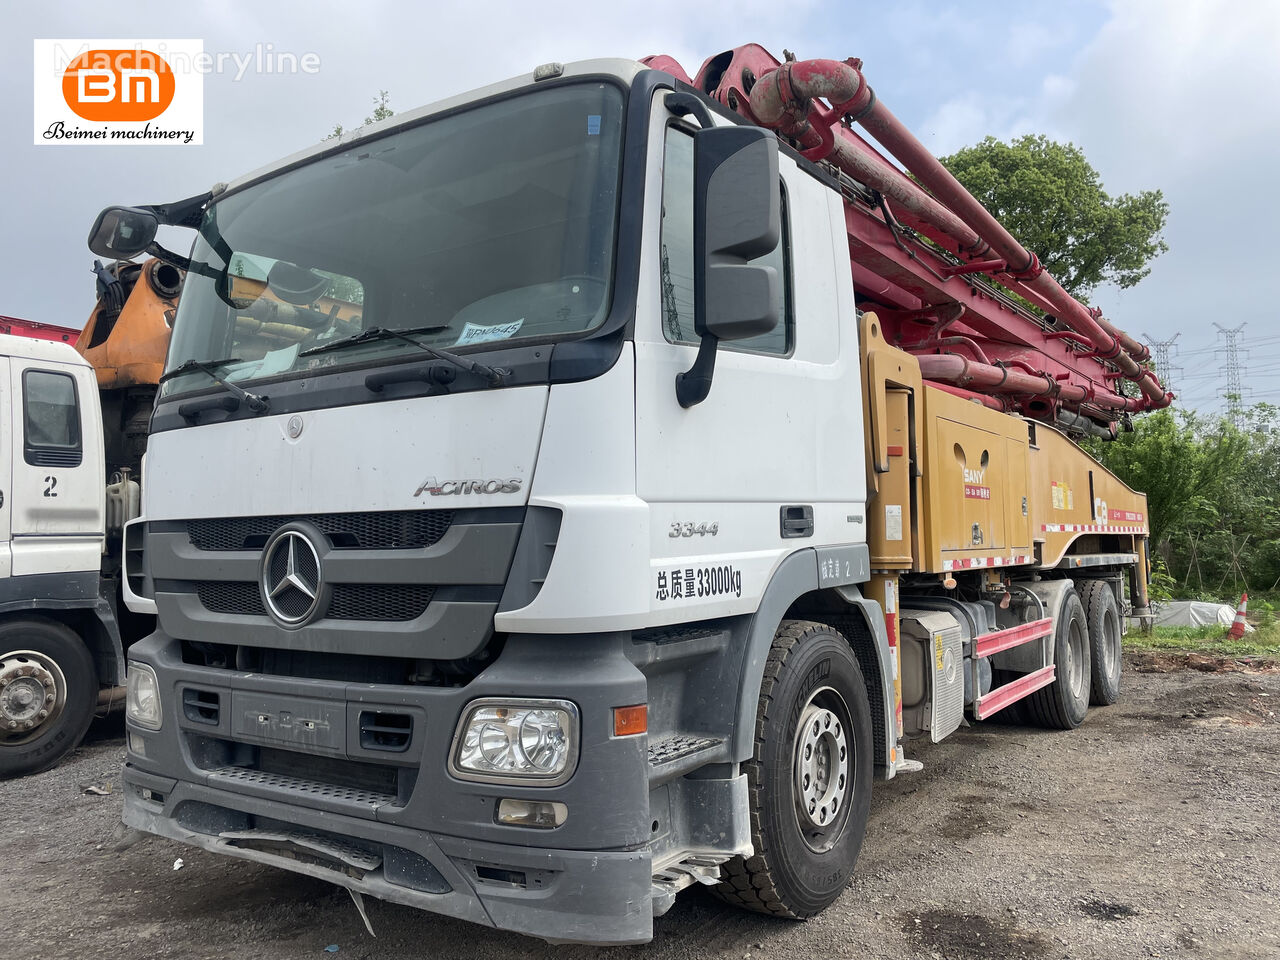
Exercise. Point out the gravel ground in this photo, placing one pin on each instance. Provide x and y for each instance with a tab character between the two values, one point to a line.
1151	831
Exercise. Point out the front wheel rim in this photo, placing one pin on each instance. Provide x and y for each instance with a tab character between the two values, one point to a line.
33	695
823	764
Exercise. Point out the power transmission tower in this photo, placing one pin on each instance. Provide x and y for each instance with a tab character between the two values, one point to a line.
1164	349
1234	387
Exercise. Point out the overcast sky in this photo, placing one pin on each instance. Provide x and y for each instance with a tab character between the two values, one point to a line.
1174	94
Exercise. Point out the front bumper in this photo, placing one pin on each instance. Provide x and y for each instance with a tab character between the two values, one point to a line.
559	895
277	769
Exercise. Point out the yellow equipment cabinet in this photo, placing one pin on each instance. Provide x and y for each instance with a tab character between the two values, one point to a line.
976	507
1080	508
955	485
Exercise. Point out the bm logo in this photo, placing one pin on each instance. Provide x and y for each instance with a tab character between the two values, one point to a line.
118	85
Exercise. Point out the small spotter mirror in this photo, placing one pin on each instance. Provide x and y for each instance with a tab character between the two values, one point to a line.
122	233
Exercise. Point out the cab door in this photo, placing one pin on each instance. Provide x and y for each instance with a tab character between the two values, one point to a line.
771	462
58	491
6	467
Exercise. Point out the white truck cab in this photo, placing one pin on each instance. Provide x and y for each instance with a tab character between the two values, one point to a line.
58	637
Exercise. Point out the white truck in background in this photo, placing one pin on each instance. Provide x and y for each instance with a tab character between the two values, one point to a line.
75	407
60	644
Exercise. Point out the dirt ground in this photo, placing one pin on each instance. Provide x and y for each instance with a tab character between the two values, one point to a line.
1151	831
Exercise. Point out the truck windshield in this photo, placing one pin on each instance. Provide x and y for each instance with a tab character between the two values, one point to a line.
490	226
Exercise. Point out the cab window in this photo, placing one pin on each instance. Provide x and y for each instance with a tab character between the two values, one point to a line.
52	419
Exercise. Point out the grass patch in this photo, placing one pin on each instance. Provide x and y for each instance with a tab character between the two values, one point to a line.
1213	641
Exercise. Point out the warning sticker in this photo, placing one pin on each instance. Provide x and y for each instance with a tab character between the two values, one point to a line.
893	521
1062	499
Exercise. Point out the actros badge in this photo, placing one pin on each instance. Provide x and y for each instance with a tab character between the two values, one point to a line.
445	488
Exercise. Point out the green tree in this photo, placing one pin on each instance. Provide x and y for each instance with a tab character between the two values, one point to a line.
1213	496
381	110
1181	463
1052	200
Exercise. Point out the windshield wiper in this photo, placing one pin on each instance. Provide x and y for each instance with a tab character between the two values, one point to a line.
494	375
254	401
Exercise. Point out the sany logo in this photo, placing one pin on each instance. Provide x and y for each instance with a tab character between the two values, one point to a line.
973	476
118	85
456	487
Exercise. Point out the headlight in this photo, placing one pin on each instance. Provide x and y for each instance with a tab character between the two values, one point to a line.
516	741
142	704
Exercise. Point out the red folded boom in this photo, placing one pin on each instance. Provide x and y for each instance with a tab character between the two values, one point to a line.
918	248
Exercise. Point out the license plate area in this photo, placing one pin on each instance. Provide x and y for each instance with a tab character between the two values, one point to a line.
301	723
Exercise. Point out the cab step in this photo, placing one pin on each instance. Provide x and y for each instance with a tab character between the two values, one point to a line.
999	698
674	756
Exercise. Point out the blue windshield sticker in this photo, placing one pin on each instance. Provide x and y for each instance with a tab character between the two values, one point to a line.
475	333
593	124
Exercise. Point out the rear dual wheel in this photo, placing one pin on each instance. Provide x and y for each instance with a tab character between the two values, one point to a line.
1062	705
1102	615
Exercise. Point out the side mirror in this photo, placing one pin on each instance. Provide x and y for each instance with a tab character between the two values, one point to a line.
121	233
737	218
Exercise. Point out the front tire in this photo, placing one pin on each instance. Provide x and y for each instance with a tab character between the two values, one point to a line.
809	778
48	690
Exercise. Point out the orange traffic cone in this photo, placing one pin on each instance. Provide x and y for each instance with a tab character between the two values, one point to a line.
1237	627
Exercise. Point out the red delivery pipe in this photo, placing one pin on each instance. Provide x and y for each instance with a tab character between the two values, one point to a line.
995	403
912	205
952	368
781	99
1109	343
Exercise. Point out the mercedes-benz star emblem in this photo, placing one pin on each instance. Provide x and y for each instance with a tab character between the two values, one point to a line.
291	579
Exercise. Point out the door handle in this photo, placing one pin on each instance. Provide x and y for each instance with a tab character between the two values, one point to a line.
796	520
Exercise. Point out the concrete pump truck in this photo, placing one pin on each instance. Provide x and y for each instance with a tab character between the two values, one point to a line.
591	485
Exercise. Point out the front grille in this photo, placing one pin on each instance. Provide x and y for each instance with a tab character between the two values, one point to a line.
386	602
390	530
386	731
225	596
376	601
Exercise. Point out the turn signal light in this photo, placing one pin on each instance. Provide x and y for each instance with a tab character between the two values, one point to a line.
628	721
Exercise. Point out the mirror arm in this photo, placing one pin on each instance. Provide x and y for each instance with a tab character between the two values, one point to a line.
693	385
684	104
168	256
181	213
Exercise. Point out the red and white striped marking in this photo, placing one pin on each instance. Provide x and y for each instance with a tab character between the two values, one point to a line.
975	563
1090	528
992	643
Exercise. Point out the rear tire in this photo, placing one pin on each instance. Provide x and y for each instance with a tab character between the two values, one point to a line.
1103	618
1062	705
44	668
809	778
